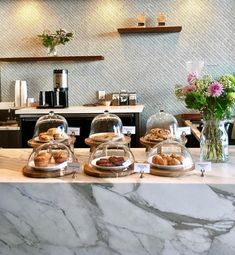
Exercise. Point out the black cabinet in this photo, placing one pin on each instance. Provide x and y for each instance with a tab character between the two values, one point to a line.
81	121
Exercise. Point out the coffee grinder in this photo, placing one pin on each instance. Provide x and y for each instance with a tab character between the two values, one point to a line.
60	81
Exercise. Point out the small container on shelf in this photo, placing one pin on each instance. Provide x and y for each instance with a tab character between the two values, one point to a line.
132	98
115	99
123	97
170	158
161	19
141	20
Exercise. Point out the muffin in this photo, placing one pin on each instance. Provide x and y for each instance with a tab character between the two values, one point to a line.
60	156
42	159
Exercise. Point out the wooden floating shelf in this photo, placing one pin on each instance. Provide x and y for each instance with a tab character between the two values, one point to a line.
159	29
55	58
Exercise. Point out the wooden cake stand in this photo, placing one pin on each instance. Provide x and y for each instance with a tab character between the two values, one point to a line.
93	171
169	173
34	173
93	143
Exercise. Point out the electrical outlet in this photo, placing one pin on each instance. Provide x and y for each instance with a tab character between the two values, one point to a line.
101	95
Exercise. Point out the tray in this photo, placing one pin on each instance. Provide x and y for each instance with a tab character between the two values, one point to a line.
126	164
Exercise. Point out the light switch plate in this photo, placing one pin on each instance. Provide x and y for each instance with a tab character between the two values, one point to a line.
101	95
74	130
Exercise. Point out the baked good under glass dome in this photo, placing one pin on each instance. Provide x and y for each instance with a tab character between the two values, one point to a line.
111	156
160	127
106	127
51	127
50	157
170	155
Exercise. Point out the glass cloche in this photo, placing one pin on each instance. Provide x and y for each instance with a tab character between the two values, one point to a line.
50	157
51	127
106	127
160	127
170	155
111	156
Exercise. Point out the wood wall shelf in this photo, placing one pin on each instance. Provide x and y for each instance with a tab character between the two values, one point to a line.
56	58
159	29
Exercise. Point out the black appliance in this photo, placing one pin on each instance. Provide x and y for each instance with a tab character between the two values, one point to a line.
59	97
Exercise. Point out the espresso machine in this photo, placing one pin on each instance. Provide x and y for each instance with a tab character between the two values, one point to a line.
58	98
60	81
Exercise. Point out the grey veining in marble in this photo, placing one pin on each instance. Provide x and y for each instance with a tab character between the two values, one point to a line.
119	219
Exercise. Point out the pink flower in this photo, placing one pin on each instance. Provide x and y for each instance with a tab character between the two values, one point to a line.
215	89
188	88
192	77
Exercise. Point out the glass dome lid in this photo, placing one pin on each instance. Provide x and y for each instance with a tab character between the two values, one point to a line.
161	126
170	155
50	156
106	127
51	127
111	156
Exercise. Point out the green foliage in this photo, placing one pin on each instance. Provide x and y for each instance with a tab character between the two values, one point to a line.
52	39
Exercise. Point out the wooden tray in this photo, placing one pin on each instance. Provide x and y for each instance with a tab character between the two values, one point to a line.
169	173
30	172
89	170
93	144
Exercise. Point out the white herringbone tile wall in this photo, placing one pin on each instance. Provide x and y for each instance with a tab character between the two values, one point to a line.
150	64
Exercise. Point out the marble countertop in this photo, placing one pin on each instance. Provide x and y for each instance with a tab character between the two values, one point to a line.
13	160
83	109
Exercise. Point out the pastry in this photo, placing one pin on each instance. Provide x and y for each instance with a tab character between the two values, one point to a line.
104	162
59	136
168	160
45	137
157	134
60	156
42	159
53	131
110	162
117	161
105	137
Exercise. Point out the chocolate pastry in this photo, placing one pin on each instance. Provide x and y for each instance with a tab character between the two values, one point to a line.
117	161
104	162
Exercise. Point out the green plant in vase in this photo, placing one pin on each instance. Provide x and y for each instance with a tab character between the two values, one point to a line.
215	100
51	40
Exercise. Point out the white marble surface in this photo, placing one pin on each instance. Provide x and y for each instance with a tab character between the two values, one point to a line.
83	109
118	218
155	215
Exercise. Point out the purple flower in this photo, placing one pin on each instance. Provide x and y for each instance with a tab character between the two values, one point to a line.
192	77
188	88
215	89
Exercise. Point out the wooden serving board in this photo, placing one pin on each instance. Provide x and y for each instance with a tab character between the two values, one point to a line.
169	173
89	170
93	144
30	172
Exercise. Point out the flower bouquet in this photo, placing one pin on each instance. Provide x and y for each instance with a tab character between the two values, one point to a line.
215	100
51	40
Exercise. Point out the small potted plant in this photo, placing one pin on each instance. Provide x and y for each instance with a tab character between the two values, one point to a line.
51	40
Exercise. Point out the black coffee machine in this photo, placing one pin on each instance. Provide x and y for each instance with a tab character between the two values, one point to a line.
59	97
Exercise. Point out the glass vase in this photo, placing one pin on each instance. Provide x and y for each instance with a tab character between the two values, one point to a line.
52	50
214	141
